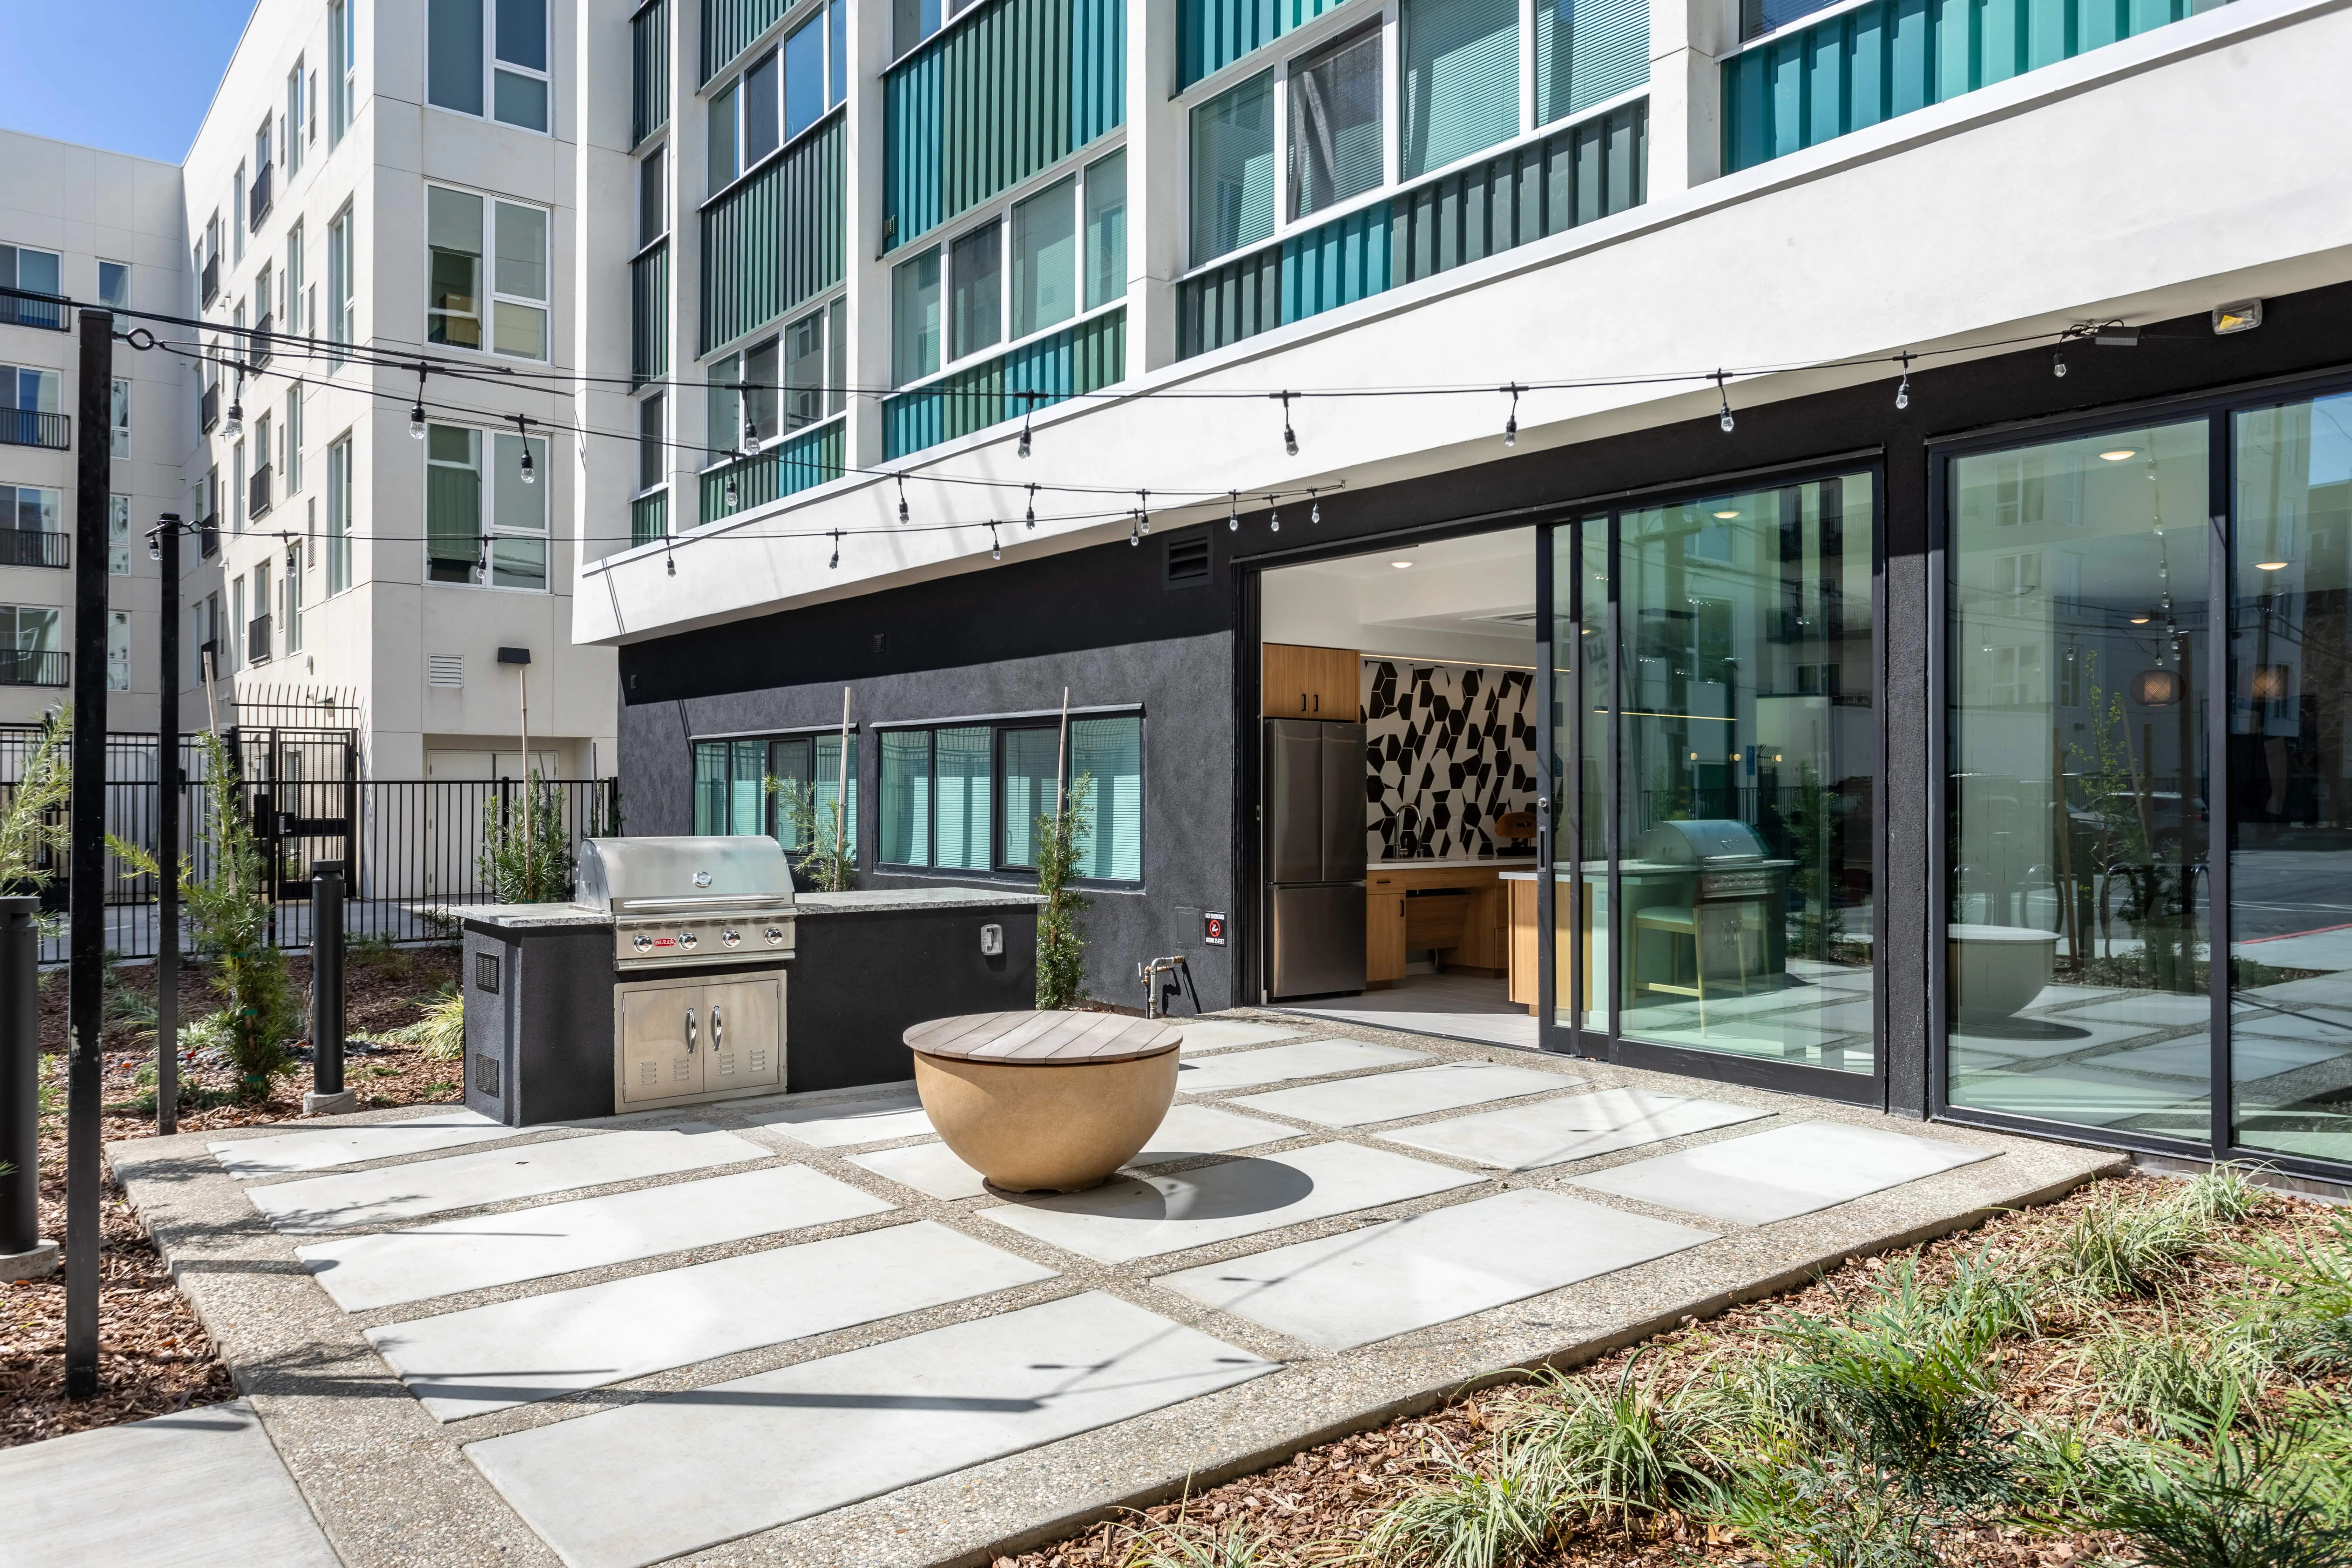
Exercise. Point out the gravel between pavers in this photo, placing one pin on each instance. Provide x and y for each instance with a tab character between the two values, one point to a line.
390	1485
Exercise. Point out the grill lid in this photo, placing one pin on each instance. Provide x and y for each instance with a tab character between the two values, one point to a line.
708	872
1718	842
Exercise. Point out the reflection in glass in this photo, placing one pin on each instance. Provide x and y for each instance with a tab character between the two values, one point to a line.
2291	799
1746	758
1580	660
2077	616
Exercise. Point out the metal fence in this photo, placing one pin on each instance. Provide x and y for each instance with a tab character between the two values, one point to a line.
413	848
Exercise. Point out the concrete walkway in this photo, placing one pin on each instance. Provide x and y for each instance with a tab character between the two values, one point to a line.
800	1331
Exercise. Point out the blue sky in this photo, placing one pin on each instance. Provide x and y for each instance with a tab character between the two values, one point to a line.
133	75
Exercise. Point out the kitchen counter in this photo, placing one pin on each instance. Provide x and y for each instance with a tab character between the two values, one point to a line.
1453	863
863	900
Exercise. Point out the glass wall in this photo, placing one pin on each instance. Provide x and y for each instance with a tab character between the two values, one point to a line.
2290	779
1581	823
2076	785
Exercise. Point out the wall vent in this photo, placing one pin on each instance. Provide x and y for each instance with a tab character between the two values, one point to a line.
445	669
1188	562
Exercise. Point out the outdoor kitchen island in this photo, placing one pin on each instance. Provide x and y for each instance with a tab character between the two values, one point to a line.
815	994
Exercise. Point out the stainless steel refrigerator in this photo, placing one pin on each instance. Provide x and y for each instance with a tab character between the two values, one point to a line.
1314	805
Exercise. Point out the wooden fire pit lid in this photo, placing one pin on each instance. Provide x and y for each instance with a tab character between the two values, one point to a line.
1043	1039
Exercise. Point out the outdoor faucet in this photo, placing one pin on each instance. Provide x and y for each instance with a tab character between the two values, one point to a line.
1149	974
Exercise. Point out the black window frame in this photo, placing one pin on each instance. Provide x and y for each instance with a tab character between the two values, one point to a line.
998	867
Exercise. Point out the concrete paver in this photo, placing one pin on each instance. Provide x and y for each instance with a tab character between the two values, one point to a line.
1416	1091
847	1123
1572	1127
292	1153
1782	1172
1273	1064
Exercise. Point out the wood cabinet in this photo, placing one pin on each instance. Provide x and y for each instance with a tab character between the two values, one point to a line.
1384	933
1298	682
1463	914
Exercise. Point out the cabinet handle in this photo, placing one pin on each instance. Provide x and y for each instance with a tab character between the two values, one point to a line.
689	1031
1302	703
717	1029
1319	702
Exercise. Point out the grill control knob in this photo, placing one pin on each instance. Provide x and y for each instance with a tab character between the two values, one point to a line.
775	936
687	939
731	937
644	943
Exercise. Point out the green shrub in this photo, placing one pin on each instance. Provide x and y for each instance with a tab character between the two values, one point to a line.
2249	1503
1060	948
440	1034
525	854
1613	1450
826	864
1472	1517
2120	1245
2180	1381
2307	1316
1828	1514
1187	1543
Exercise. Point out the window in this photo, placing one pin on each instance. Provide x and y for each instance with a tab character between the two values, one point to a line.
811	392
291	439
471	524
1336	148
117	536
257	199
26	391
1046	258
762	386
653	456
805	62
779	95
1232	169
37	271
756	94
1106	197
912	21
238	495
723	407
731	778
493	48
453	313
261	449
723	143
289	600
236	216
975	263
261	646
29	511
653	207
343	68
114	289
297	319
117	650
28	647
231	652
119	423
342	285
915	318
968	798
293	137
338	516
1460	80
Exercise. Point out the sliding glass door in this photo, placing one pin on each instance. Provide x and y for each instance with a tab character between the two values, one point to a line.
1714	705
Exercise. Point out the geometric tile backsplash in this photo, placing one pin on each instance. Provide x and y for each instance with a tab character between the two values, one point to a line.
1452	748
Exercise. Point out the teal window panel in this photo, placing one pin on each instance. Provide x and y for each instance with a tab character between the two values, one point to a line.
649	316
649	518
814	202
648	69
1460	80
798	462
776	240
1588	50
1098	69
1213	34
1082	358
912	104
729	25
1892	56
1238	299
1337	264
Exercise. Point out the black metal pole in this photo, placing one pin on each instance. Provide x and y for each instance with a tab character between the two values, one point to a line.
87	876
23	1253
328	1095
167	834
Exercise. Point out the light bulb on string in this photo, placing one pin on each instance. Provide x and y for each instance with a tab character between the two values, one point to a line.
1313	509
750	425
667	559
234	423
416	411
1725	419
1031	516
1028	409
834	564
1511	425
733	495
530	469
1143	509
1274	522
1233	512
2058	361
1289	436
902	496
995	550
1902	390
1134	534
155	543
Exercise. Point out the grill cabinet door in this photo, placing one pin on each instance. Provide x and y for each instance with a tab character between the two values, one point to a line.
744	1044
661	1043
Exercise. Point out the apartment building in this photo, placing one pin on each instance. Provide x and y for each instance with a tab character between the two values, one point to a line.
377	188
1817	534
99	228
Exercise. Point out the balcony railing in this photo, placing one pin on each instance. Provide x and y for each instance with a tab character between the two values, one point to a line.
212	279
258	204
24	428
257	639
208	539
208	410
33	547
16	310
257	350
257	492
32	666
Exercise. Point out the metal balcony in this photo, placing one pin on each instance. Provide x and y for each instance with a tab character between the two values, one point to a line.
258	349
212	279
257	203
16	310
32	666
257	492
257	639
24	428
208	410
34	547
208	539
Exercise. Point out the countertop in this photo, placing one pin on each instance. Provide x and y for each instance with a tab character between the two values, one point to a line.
1457	863
868	900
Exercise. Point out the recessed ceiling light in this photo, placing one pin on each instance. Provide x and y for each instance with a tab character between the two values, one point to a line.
2270	566
2120	453
1734	512
1400	565
2139	620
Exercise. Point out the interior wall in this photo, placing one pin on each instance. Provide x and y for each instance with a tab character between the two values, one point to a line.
1450	747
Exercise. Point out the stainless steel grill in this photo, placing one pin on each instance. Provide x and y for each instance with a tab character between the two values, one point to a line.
691	900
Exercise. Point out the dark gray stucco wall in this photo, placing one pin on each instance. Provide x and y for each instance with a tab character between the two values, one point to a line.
1185	689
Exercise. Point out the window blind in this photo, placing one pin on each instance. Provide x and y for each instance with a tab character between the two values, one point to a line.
1460	80
961	772
1335	127
1588	50
1107	753
1232	169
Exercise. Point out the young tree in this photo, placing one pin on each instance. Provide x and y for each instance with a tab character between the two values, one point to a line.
1061	950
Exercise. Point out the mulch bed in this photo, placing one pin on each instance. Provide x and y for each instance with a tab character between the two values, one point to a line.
154	1357
1319	1506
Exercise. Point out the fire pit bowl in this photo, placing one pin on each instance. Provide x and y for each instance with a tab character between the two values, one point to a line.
1045	1101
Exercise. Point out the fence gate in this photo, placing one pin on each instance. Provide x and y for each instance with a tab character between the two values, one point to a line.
302	794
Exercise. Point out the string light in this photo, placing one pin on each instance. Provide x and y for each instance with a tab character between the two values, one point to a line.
902	496
1902	392
1143	509
667	559
1725	419
1511	425
834	564
1031	516
1233	513
416	411
750	423
733	495
1276	527
995	550
234	423
1289	436
1028	409
2058	362
1134	534
1313	509
530	469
